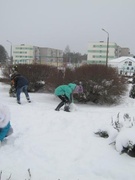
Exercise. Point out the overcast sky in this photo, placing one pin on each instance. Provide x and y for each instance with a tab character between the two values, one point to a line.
58	23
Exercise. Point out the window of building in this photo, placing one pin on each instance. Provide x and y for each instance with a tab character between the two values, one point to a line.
130	63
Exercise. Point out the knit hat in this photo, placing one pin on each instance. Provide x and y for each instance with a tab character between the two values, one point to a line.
78	89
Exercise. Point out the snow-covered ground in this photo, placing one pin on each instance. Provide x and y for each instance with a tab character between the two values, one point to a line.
60	145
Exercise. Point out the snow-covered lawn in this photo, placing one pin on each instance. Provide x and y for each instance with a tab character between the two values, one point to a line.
60	145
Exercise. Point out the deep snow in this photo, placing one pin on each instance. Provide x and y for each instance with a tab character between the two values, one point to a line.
61	145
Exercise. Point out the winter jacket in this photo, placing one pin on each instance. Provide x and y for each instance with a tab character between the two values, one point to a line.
4	131
20	81
4	121
14	75
65	90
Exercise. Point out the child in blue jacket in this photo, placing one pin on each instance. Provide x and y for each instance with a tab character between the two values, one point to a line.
5	127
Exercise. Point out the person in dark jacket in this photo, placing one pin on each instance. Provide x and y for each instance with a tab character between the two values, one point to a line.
65	93
12	90
21	85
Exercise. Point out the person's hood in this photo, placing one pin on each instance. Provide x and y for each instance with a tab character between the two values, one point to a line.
72	85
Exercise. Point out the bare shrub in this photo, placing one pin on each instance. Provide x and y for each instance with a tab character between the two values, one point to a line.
37	75
101	84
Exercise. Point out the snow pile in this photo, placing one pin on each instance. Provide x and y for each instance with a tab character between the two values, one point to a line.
121	132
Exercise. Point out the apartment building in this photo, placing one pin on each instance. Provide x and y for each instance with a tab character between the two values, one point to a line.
51	56
23	54
97	52
124	52
28	54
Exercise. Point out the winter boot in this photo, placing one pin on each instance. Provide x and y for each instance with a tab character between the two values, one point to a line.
66	108
59	106
28	100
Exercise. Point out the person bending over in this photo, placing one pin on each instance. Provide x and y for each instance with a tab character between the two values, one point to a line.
65	93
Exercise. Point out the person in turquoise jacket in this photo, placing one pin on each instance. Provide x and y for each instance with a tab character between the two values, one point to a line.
5	126
65	92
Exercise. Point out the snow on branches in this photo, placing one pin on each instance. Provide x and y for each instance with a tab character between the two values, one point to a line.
121	133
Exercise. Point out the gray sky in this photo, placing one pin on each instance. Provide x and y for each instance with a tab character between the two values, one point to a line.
58	23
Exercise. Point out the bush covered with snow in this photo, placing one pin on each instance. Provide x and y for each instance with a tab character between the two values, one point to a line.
121	133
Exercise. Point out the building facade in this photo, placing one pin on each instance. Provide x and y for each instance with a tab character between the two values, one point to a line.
51	56
23	54
97	52
124	52
28	54
125	65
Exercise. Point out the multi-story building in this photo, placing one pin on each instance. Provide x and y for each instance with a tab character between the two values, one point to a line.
124	52
97	52
28	54
51	56
23	54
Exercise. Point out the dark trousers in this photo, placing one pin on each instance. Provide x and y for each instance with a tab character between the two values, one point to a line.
22	89
64	99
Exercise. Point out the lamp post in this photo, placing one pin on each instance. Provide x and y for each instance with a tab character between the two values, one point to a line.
11	57
107	47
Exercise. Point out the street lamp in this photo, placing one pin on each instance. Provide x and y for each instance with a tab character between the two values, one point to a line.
11	57
107	47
